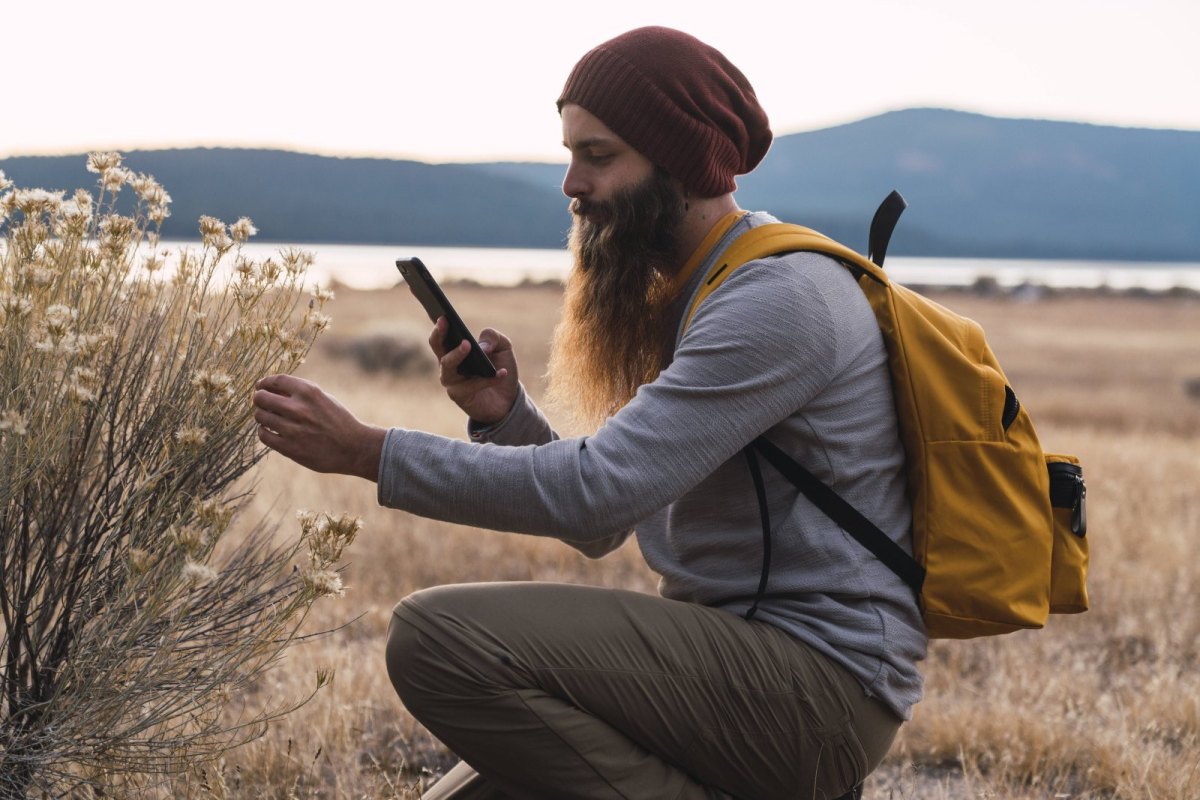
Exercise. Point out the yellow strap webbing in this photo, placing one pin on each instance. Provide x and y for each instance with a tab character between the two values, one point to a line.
772	239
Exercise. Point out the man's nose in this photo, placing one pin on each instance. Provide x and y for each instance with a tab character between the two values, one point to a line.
573	184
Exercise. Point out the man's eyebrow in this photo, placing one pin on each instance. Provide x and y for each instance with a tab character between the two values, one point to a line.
591	141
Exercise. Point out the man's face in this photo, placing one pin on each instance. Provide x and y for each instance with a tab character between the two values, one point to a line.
624	241
602	164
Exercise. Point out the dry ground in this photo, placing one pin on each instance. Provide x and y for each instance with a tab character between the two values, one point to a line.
1106	704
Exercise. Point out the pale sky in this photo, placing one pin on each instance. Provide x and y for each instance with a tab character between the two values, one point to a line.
439	80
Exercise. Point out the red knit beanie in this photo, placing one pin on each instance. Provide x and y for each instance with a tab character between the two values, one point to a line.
676	101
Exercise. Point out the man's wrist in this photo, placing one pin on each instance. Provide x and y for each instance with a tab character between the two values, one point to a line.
369	452
477	429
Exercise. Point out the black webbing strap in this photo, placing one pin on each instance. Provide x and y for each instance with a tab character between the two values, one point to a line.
882	225
765	515
845	515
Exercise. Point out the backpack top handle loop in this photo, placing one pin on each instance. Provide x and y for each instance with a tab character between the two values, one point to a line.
882	225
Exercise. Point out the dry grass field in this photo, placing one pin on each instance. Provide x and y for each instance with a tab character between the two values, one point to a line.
1105	704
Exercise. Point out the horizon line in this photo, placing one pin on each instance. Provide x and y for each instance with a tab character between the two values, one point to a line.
527	158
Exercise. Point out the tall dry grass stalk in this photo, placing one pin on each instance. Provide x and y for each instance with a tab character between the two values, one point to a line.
129	620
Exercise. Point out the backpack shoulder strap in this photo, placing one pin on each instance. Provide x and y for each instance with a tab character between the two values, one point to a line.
773	239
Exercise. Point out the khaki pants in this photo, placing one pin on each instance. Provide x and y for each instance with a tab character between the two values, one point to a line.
560	691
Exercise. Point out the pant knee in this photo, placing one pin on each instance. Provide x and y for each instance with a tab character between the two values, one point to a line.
428	660
402	657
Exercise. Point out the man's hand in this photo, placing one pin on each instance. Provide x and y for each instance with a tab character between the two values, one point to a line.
299	420
485	400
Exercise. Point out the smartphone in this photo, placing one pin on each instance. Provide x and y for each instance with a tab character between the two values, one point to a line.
434	301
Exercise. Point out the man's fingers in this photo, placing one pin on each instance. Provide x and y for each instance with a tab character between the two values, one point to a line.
437	337
450	361
281	384
271	439
493	341
270	401
269	420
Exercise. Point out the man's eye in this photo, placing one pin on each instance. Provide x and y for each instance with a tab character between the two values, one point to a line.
600	158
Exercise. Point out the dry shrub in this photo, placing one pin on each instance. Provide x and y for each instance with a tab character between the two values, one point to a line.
129	620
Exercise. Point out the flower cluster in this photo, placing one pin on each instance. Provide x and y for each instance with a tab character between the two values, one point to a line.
13	422
213	384
214	235
327	537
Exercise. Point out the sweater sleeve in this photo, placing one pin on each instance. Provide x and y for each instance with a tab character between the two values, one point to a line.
524	424
757	350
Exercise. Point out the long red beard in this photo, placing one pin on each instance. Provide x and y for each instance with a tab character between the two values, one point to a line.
614	335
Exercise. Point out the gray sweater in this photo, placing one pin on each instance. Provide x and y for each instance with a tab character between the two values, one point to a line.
787	346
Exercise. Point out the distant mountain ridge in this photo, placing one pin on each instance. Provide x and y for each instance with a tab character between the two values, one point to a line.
977	186
985	186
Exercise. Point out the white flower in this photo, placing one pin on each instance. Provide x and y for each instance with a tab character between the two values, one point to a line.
81	386
190	538
33	201
242	230
92	343
58	320
212	383
15	307
296	261
319	321
103	162
213	234
83	199
327	535
72	211
269	271
13	422
211	225
144	185
85	376
115	178
117	230
56	326
191	436
322	295
198	574
5	183
80	393
214	514
322	582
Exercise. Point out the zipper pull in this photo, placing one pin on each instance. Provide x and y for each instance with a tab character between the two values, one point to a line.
1079	510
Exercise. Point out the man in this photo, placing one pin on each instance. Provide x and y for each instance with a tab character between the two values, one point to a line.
714	689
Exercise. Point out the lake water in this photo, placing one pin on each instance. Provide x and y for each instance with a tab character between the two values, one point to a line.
373	267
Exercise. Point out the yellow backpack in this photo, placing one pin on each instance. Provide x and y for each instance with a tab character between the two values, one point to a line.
999	527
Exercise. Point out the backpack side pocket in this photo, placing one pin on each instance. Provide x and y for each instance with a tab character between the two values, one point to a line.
1068	566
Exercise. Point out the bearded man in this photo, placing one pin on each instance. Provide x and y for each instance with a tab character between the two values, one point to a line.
716	688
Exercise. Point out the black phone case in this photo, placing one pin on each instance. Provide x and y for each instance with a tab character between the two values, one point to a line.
434	301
